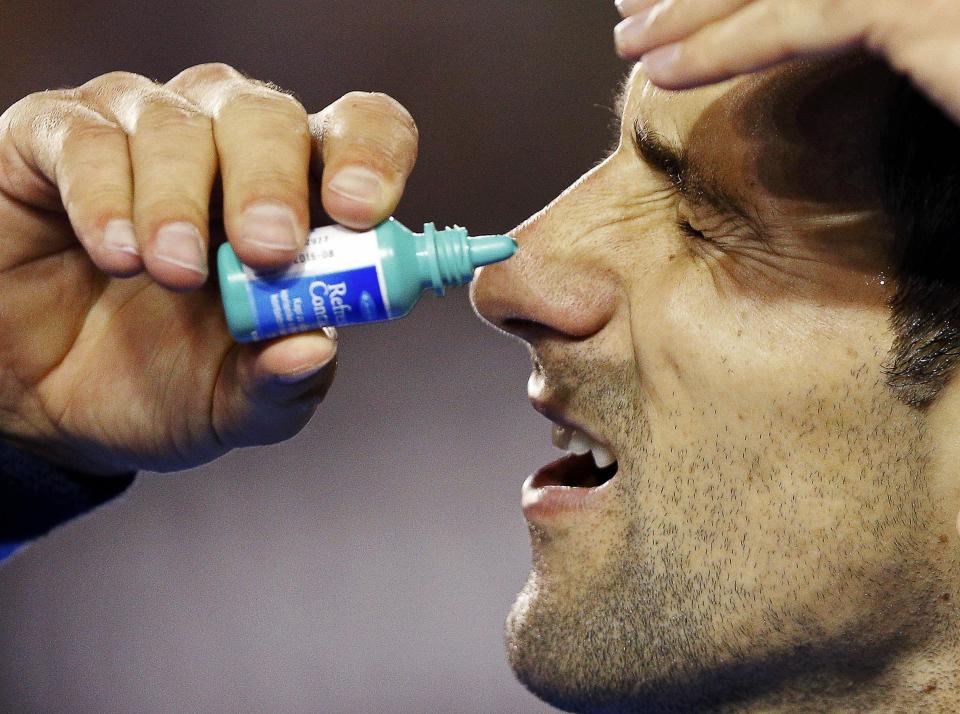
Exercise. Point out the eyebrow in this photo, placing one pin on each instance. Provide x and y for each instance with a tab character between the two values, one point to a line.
689	178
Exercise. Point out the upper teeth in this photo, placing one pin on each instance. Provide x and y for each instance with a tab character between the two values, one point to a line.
578	442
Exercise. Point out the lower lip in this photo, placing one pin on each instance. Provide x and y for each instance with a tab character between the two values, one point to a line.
544	499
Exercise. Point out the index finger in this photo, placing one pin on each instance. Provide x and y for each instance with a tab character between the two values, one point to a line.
366	150
668	22
780	30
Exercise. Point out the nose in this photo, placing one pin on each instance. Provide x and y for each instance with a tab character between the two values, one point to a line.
556	284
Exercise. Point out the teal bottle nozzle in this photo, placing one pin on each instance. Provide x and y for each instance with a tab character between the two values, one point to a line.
346	277
485	250
450	256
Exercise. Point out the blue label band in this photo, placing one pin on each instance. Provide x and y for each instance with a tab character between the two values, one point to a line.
283	305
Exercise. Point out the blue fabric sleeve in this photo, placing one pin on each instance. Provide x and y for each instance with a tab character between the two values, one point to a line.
36	496
8	549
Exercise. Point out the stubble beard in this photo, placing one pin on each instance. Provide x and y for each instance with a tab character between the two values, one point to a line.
650	626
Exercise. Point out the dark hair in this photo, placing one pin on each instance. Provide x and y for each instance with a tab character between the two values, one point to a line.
920	183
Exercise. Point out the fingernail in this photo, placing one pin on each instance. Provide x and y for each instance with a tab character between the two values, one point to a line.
629	32
300	375
358	184
662	58
119	236
181	244
628	7
304	372
270	225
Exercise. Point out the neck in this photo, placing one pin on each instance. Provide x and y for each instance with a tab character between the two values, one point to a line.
926	680
915	666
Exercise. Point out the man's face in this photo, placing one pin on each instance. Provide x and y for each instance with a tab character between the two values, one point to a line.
709	304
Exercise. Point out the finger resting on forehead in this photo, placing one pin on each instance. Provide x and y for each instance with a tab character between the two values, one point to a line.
779	30
668	22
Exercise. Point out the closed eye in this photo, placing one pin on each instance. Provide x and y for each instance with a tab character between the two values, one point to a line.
688	230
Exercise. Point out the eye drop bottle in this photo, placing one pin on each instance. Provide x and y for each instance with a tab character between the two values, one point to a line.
345	277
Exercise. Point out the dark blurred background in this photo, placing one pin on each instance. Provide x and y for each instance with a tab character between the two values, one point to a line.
366	565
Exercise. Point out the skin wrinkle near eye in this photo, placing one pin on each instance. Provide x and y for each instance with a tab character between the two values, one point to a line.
612	222
731	240
714	226
779	256
643	209
693	184
688	179
689	176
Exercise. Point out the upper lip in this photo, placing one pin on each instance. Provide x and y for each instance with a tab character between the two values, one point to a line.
555	413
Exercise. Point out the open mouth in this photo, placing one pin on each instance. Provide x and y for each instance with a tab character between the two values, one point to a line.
588	463
572	483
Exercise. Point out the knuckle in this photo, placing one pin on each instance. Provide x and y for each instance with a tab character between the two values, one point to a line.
379	107
281	183
47	100
113	82
87	126
169	112
262	97
117	77
213	70
373	129
265	104
379	154
206	73
36	112
172	205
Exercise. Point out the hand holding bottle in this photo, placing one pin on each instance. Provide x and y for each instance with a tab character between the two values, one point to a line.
116	355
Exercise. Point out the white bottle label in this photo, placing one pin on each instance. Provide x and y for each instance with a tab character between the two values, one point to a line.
336	280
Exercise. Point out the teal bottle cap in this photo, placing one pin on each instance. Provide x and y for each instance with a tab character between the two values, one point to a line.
238	307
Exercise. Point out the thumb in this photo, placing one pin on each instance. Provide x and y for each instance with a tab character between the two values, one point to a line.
267	392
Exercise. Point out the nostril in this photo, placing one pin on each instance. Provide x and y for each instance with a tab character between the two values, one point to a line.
519	323
533	306
526	329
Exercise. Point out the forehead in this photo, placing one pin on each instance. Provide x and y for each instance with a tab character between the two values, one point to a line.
802	132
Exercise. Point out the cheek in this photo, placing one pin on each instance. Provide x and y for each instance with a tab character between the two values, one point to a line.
743	355
763	419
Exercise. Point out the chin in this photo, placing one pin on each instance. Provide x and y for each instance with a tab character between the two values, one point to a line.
579	668
584	653
580	660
